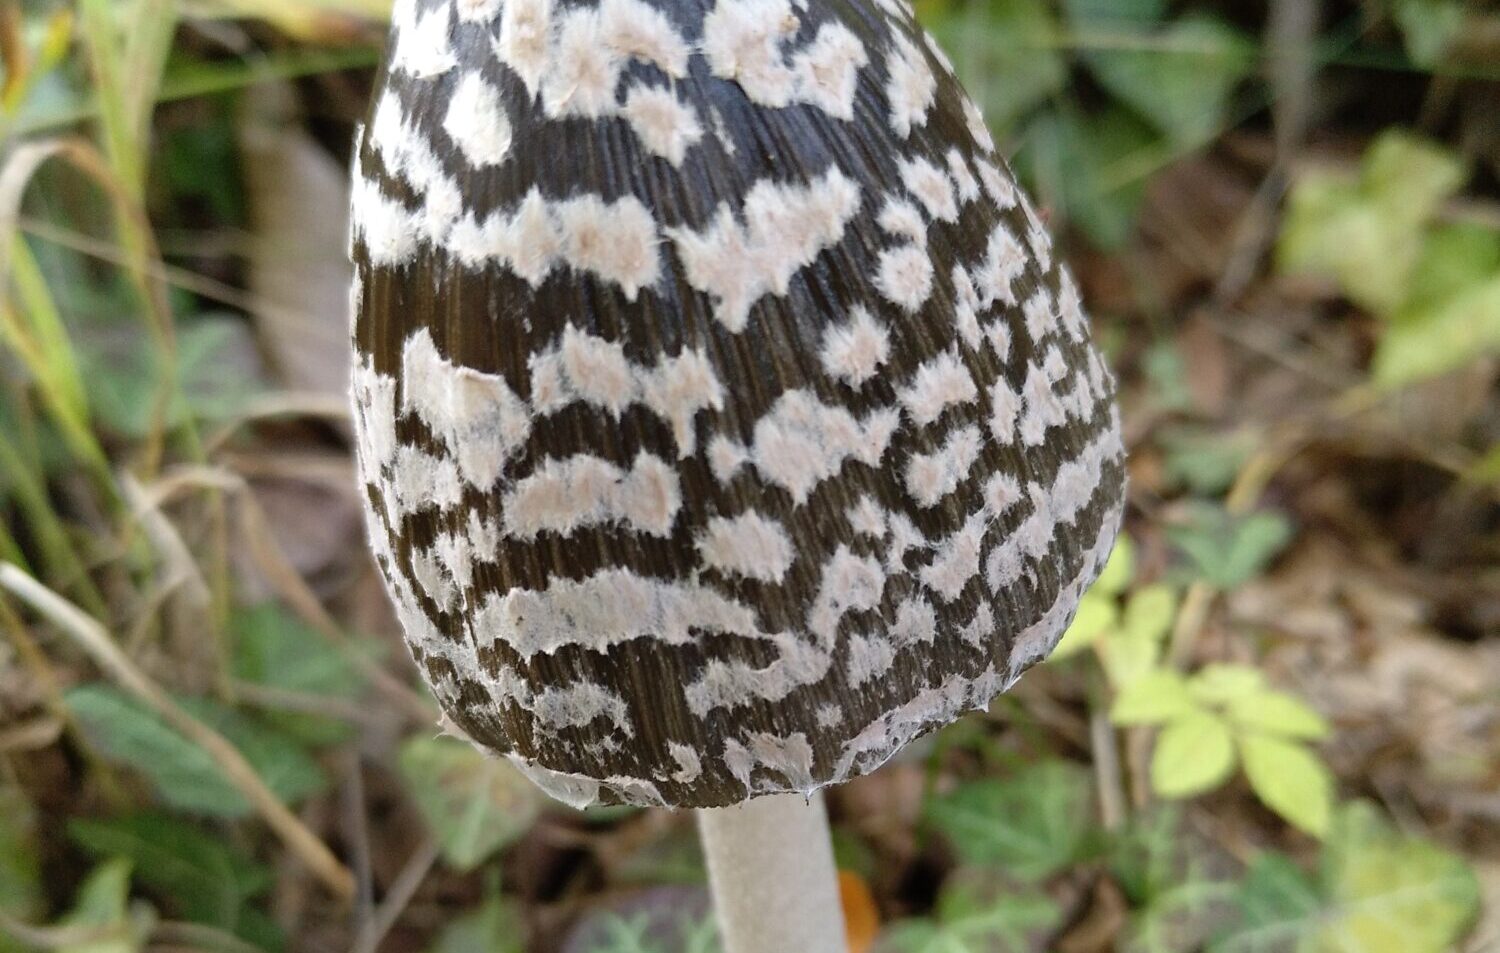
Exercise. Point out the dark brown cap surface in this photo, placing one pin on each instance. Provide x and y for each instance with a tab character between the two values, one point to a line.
724	417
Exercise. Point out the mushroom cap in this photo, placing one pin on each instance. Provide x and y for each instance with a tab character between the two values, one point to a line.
724	417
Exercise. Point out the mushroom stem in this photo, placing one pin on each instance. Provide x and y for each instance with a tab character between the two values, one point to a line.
770	866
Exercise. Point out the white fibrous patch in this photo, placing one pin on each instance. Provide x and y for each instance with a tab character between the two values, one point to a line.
910	88
997	184
1054	365
867	518
1040	314
525	33
1005	410
966	309
748	545
850	583
476	121
905	537
721	130
596	371
998	334
434	581
582	71
829	716
904	276
856	349
1070	309
611	607
978	128
374	396
477	11
689	766
956	560
638	30
931	186
1037	237
476	415
1043	407
743	41
802	442
725	457
615	241
576	705
1001	492
932	476
937	52
827	70
577	791
734	684
424	48
873	745
1004	262
869	659
419	480
785	227
665	125
563	496
963	179
901	218
978	630
385	226
407	155
790	757
1052	508
915	622
938	384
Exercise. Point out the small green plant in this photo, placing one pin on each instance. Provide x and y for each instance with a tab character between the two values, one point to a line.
1382	234
1223	716
1170	83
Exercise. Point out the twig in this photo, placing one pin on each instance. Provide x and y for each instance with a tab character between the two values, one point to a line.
1106	752
95	641
403	888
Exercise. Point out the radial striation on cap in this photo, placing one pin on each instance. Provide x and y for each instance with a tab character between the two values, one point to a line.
724	418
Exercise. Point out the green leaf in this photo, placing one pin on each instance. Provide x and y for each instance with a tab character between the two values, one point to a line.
1429	27
1005	53
1388	893
1194	753
182	773
1149	613
21	895
1153	699
1222	684
474	805
1277	713
1118	570
1097	614
206	878
101	910
1447	337
1205	461
277	650
1455	258
1369	232
1090	169
1290	780
215	375
495	926
968	921
1089	16
1276	903
1180	78
1226	551
1030	826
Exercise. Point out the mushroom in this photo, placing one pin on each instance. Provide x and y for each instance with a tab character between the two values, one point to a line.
724	417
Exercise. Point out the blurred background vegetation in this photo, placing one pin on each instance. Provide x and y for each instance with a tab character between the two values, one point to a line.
1275	725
